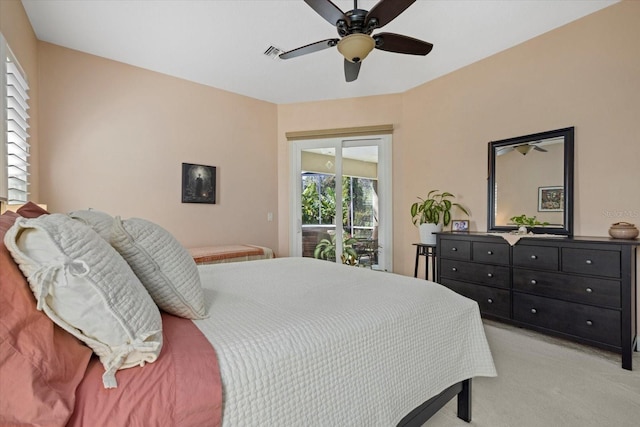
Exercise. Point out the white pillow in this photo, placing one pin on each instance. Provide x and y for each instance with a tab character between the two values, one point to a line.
86	288
163	266
101	222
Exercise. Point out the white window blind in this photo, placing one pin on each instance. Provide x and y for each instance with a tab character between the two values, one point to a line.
14	170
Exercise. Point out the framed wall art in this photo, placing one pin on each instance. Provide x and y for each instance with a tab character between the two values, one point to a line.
551	199
198	183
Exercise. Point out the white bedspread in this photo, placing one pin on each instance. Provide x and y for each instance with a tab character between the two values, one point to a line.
303	342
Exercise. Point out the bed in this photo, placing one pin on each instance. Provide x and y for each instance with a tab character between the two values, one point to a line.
368	347
289	341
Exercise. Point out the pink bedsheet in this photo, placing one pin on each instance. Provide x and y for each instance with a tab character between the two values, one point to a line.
181	388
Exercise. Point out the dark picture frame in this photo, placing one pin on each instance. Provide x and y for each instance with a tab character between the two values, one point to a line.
198	183
551	199
460	225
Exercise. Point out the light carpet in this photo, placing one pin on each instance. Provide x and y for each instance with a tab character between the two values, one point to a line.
544	381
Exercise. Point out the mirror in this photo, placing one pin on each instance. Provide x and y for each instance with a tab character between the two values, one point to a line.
532	175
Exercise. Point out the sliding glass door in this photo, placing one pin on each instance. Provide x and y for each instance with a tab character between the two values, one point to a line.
341	204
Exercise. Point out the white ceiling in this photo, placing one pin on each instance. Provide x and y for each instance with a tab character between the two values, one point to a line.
220	43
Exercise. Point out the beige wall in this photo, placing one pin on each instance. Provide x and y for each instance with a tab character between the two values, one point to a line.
585	74
16	28
116	136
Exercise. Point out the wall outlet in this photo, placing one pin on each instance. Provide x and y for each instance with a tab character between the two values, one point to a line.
270	216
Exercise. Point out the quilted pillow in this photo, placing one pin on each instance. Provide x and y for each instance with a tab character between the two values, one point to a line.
163	266
85	287
101	222
41	365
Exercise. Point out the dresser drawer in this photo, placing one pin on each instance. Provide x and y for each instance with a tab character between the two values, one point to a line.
495	253
589	290
491	301
542	257
455	249
584	321
592	262
493	275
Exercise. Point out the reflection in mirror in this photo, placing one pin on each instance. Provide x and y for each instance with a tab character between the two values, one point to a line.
520	172
532	175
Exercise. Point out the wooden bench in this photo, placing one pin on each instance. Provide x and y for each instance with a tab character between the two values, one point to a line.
229	253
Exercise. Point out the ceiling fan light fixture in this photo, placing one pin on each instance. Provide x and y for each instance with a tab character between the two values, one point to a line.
356	47
524	149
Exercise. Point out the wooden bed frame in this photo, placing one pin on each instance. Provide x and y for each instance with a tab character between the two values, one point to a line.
422	413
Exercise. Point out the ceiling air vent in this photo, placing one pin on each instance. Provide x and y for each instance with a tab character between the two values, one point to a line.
273	52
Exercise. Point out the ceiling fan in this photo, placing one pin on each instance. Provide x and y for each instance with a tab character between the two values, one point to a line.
523	149
355	28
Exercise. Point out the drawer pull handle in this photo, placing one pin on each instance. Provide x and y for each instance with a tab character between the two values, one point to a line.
589	262
589	322
534	256
489	274
589	290
454	249
490	252
490	301
533	281
534	311
454	269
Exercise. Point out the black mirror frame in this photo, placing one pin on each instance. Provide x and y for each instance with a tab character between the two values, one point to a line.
568	134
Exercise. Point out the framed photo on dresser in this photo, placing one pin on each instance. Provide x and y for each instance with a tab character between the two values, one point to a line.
460	225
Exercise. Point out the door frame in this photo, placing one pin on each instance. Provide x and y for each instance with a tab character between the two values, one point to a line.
385	192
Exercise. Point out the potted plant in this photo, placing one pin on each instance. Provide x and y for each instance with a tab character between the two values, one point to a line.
326	249
432	213
525	223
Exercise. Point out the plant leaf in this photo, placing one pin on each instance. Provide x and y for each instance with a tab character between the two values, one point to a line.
428	204
462	208
446	218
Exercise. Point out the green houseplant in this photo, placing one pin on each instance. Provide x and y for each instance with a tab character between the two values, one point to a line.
526	221
326	249
431	213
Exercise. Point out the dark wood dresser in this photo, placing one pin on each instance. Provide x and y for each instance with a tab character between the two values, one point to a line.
580	288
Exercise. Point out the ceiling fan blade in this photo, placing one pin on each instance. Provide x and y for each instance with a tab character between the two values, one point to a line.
535	147
351	70
328	11
503	150
386	11
402	44
310	48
